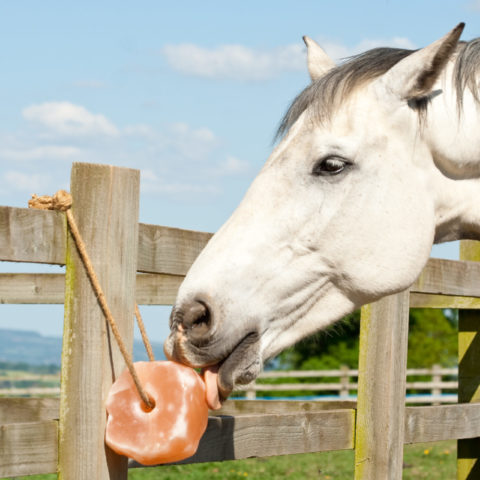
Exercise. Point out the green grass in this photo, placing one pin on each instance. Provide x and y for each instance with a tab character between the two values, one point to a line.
433	461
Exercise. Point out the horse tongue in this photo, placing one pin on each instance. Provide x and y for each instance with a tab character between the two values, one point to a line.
210	375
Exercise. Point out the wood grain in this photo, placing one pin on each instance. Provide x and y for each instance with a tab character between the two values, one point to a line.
106	211
246	436
443	422
168	250
46	288
21	410
449	277
28	448
468	453
36	236
381	389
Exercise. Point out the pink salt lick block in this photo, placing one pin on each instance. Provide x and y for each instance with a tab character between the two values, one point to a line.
168	432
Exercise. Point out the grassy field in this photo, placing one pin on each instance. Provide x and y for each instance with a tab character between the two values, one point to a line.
433	461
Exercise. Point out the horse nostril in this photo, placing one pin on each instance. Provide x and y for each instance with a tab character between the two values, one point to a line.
196	320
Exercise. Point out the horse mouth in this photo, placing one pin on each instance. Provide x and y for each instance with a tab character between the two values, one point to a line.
239	367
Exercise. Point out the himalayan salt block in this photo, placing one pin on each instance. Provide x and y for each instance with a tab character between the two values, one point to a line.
172	429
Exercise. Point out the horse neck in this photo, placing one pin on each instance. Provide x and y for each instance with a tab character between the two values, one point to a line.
452	131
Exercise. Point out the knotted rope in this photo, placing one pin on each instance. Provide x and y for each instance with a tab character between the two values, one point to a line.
62	201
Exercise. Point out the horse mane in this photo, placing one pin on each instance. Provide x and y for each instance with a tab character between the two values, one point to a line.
325	94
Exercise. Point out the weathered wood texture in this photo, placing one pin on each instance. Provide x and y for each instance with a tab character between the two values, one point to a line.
32	236
38	236
381	389
258	407
32	288
468	451
168	250
19	410
427	300
49	288
244	436
449	277
106	211
259	428
444	422
28	448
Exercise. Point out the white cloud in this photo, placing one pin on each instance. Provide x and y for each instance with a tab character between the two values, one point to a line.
23	182
177	159
151	183
52	152
66	118
231	166
234	61
239	62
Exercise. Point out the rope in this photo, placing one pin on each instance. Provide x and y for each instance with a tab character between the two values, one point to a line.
146	341
62	201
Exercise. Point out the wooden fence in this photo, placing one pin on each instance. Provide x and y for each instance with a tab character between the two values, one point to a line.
66	435
436	389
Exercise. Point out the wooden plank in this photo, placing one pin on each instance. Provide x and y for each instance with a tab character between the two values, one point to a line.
28	448
36	236
468	451
20	410
231	438
45	288
168	250
286	387
30	391
307	373
449	277
106	210
157	289
32	288
444	422
258	407
427	300
381	388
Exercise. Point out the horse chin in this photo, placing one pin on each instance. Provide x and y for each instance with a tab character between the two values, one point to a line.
241	366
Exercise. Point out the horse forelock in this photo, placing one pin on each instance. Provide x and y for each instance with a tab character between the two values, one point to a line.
326	94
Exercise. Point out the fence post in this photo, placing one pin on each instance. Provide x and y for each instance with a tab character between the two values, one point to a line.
106	210
344	381
436	380
468	450
381	389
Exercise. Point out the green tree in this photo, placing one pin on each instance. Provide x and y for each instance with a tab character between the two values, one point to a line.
432	340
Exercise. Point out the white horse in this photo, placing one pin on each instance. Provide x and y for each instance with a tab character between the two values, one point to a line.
379	158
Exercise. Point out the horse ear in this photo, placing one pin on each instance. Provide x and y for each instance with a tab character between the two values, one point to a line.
319	63
415	75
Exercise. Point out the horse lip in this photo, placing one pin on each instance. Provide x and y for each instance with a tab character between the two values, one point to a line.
239	360
235	367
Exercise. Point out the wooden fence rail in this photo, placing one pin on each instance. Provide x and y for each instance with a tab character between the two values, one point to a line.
346	385
60	435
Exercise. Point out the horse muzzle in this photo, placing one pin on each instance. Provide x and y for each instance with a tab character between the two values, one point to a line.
195	341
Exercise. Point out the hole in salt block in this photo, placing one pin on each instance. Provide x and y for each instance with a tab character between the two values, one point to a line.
145	407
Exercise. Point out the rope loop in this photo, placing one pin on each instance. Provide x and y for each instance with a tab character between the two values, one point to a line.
62	201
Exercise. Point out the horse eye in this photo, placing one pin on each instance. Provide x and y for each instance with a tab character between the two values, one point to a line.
329	166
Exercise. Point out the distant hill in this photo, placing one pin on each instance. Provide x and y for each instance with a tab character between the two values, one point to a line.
36	349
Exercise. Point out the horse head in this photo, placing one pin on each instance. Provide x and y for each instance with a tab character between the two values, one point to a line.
345	211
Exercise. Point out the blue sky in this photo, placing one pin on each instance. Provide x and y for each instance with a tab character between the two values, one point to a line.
188	92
